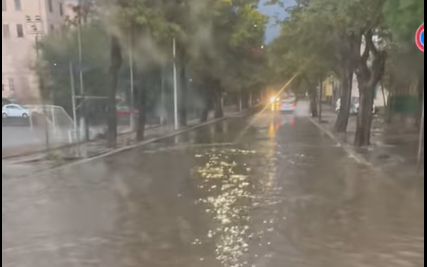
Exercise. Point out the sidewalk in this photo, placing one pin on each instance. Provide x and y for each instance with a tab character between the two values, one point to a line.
39	145
394	148
39	161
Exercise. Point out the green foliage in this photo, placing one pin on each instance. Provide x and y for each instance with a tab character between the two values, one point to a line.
61	48
403	18
228	43
405	68
216	39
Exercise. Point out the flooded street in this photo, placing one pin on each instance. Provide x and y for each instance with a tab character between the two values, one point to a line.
264	191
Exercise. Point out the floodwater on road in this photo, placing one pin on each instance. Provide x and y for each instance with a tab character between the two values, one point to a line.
263	191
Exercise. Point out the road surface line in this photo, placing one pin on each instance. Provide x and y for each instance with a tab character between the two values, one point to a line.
350	151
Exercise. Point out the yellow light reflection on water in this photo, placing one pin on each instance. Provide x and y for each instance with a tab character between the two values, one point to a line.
228	188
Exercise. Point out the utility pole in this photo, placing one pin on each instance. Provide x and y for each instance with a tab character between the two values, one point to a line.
162	99
132	85
175	87
73	95
82	89
421	139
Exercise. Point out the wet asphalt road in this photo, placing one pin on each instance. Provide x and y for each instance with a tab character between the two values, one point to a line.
266	192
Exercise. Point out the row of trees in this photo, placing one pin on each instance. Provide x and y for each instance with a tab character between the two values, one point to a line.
369	39
219	41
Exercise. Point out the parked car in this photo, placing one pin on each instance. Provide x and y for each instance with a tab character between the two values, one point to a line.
354	109
15	111
126	111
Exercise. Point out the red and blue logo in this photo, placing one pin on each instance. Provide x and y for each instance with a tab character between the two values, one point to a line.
419	38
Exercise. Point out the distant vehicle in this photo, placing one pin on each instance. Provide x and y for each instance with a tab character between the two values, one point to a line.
15	111
354	109
287	105
126	111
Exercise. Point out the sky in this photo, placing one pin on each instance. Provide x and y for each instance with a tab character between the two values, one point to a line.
273	11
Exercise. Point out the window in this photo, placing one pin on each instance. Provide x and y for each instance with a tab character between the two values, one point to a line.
19	30
61	9
50	5
6	31
11	84
18	5
3	5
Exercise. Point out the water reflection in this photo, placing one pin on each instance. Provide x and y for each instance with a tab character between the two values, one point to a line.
226	185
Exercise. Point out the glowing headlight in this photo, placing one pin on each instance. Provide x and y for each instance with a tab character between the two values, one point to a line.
273	99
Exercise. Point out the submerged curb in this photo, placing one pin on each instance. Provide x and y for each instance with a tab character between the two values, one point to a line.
347	148
134	146
40	151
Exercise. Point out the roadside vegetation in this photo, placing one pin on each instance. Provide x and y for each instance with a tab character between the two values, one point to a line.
371	40
220	51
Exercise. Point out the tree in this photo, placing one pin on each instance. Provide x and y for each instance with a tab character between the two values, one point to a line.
335	32
224	58
403	17
405	68
60	49
146	21
116	62
301	50
369	73
218	41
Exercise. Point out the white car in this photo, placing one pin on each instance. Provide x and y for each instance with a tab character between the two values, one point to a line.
287	105
14	111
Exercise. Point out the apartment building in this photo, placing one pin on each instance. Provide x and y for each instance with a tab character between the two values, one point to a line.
23	23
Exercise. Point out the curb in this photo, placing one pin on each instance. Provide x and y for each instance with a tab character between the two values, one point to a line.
26	154
347	148
131	147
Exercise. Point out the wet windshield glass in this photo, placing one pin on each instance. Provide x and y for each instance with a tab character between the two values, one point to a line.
213	133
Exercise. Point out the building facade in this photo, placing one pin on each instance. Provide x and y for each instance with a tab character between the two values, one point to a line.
23	23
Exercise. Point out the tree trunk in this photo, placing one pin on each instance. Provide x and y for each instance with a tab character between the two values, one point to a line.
364	119
389	110
218	110
344	112
207	105
320	100
142	98
313	101
369	74
183	98
116	61
245	100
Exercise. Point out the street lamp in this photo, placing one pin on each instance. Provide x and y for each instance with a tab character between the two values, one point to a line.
82	88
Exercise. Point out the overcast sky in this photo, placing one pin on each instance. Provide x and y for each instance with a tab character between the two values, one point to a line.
273	11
